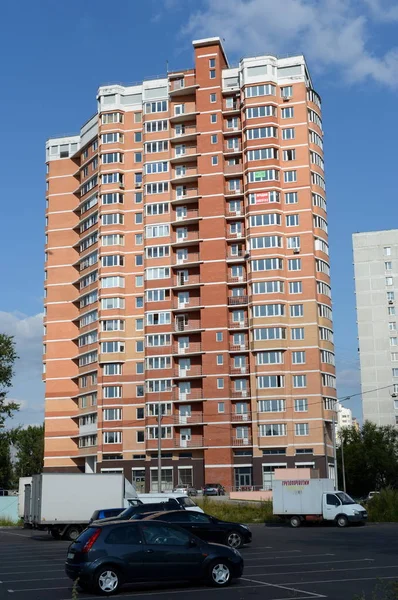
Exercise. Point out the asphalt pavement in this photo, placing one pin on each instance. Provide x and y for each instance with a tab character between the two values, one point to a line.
281	564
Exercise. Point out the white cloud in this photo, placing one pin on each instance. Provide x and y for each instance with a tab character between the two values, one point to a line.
27	389
383	10
331	33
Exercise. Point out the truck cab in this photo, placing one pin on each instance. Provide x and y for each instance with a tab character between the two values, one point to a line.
340	507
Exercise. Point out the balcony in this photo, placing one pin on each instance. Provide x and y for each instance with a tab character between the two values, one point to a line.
193	348
187	238
232	193
243	347
187	176
189	153
185	133
234	108
183	86
233	169
195	418
237	279
192	304
234	213
238	441
241	417
183	116
189	195
241	370
189	215
193	371
235	235
232	148
195	442
186	282
180	327
239	394
167	443
155	350
194	394
243	324
237	300
192	257
238	256
236	129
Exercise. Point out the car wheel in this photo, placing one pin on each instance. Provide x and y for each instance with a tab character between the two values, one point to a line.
234	539
107	580
295	521
219	573
342	521
72	533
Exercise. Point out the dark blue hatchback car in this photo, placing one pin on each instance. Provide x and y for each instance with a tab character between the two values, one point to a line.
108	555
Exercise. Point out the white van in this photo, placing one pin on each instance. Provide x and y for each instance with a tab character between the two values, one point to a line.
183	500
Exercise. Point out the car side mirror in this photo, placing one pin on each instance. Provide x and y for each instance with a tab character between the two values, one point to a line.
192	543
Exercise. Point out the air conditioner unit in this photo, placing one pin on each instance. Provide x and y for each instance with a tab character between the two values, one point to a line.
245	416
121	185
242	346
285	99
394	395
245	440
243	369
244	393
391	302
137	185
296	250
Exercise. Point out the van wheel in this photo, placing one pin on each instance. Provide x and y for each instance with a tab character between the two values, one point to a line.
342	521
295	521
72	533
107	580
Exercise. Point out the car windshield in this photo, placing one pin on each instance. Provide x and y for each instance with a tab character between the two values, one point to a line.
187	501
345	498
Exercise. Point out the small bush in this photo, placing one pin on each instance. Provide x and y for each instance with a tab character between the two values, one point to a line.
6	522
237	512
383	507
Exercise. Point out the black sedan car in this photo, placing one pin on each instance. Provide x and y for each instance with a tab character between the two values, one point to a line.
108	555
206	527
132	511
213	489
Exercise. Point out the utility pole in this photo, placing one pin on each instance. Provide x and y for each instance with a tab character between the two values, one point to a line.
342	461
334	451
159	445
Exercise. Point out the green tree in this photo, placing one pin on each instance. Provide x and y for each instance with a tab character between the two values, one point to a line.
370	457
6	471
29	444
8	357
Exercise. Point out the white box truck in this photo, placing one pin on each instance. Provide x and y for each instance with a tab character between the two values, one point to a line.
63	503
299	500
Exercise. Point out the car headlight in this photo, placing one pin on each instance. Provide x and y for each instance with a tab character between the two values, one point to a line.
356	512
245	527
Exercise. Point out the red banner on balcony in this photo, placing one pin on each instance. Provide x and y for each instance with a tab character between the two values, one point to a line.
262	198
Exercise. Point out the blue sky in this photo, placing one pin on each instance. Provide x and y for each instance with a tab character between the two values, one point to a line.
55	54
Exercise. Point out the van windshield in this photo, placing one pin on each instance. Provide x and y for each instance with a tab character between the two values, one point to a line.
345	498
186	501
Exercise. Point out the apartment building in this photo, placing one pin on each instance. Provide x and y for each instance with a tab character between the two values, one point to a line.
187	272
376	288
344	419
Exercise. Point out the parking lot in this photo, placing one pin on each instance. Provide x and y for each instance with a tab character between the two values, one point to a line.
281	563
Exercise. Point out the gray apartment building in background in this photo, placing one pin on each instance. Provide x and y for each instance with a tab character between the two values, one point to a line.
376	287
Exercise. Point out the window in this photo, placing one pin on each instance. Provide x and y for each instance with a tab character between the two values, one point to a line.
112	369
112	118
270	241
268	310
260	111
298	358
269	358
112	437
138	197
112	219
112	414
273	430
159	106
270	381
157	273
213	98
324	288
140	392
387	250
152	147
395	372
110	347
158	362
295	287
267	175
260	90
139	324
299	381
220	384
287	113
296	310
267	264
212	74
114	239
394	356
212	63
389	281
271	406
264	220
292	220
214	139
390	296
261	133
139	346
269	333
288	134
388	266
111	157
220	359
139	368
219	336
297	333
391	310
267	287
214	161
289	155
262	154
287	91
113	325
392	326
139	260
301	429
140	436
325	334
110	282
328	380
110	303
294	264
213	118
154	126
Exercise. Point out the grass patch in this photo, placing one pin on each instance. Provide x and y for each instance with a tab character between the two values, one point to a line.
383	508
237	512
5	522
